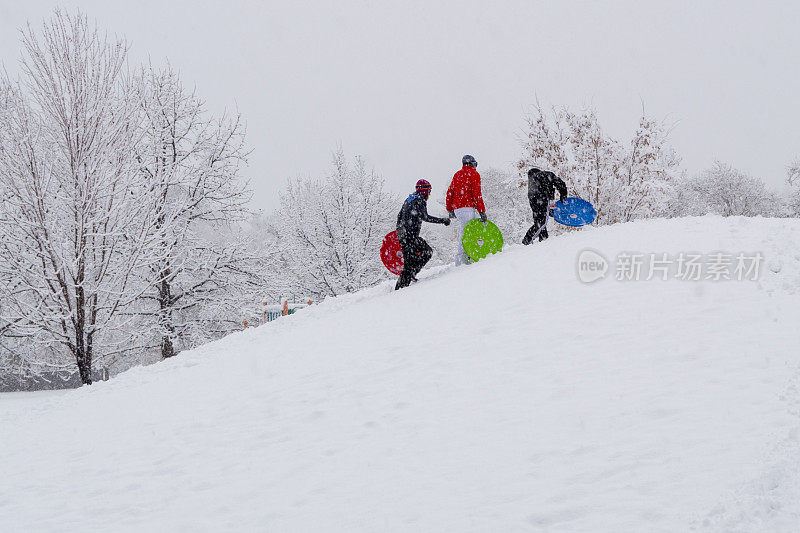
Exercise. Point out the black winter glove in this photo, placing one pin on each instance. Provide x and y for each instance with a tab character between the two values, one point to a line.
446	222
483	217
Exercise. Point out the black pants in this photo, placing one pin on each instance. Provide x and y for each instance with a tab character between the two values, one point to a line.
416	253
539	206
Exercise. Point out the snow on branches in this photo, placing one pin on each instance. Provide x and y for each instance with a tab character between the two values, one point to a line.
793	179
122	213
727	191
190	163
331	228
624	182
793	173
74	227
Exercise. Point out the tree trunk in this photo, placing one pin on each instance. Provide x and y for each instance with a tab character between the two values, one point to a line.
84	360
165	304
83	352
167	348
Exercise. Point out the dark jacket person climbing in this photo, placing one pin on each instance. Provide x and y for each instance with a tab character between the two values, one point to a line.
542	187
416	252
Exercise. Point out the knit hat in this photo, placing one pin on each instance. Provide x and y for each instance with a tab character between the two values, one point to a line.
424	188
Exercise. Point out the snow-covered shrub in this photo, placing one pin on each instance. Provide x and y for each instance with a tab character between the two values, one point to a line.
724	190
623	181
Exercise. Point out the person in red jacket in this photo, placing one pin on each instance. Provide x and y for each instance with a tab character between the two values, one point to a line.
465	201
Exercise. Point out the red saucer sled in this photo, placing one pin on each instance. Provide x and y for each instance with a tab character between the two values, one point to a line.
391	254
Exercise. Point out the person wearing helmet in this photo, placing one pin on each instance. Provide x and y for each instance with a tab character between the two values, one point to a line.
542	187
416	252
465	201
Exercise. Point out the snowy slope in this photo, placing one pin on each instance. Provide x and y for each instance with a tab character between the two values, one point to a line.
501	396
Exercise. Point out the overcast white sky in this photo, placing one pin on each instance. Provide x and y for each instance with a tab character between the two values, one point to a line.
413	86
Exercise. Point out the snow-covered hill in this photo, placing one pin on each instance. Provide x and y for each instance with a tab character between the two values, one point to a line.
501	396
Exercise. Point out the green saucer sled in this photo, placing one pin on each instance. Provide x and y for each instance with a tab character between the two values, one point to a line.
481	240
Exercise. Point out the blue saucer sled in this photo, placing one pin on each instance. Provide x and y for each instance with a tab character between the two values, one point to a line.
574	212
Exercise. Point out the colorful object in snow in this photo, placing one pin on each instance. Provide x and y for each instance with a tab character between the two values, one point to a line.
481	239
574	212
391	254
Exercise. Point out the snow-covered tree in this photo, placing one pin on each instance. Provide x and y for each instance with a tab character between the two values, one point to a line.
331	230
203	266
650	171
724	190
505	194
624	182
793	179
74	225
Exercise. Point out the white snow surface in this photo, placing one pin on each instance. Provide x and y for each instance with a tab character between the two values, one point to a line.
500	396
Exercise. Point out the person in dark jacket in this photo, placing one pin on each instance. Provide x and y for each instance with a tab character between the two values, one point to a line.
416	252
542	187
